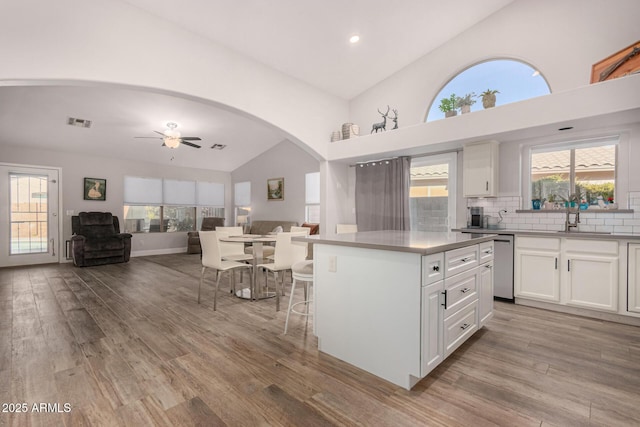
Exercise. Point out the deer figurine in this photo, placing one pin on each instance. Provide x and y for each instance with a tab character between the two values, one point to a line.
383	124
395	119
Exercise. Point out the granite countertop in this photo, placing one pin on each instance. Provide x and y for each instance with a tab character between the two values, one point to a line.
423	243
547	233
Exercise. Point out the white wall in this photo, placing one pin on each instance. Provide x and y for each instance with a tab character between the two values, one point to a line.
285	160
76	167
513	181
76	41
563	39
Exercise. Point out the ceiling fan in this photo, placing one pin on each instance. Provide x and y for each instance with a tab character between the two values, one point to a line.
171	137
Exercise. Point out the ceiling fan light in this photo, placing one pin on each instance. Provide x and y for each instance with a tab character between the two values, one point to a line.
172	142
172	133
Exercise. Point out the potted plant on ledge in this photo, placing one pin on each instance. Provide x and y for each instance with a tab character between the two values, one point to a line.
466	102
489	98
536	195
449	105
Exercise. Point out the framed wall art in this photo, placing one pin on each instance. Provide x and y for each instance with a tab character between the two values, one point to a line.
95	189
275	189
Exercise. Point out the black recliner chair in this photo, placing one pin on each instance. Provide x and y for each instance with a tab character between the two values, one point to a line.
97	239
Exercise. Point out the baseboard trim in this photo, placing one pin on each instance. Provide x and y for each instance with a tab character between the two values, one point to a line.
159	252
631	319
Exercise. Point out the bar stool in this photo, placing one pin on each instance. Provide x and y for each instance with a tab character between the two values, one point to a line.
301	271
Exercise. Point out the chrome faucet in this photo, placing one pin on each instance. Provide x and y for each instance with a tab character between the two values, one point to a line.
568	225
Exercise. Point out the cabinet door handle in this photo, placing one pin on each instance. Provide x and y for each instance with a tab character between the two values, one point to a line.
465	326
488	251
568	265
556	263
488	266
487	187
445	299
464	259
465	290
436	268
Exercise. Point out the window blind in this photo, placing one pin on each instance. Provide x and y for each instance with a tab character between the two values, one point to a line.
242	193
142	191
210	194
179	193
312	188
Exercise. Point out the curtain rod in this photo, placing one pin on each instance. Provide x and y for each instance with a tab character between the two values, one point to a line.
435	153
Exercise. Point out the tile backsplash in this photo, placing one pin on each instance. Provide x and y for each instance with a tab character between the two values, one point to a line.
554	221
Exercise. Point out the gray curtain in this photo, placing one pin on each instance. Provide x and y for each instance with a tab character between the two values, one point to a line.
382	195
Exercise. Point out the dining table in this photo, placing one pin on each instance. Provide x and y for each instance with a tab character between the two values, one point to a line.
257	241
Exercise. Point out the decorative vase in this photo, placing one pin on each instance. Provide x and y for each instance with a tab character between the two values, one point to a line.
450	113
489	100
346	130
536	204
464	109
335	136
355	131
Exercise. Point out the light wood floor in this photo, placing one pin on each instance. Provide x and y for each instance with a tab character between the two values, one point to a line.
127	344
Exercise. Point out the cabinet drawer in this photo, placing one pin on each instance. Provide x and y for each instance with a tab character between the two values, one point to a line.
538	243
459	327
460	290
603	247
459	260
432	268
486	251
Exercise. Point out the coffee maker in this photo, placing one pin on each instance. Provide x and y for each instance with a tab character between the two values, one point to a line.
477	214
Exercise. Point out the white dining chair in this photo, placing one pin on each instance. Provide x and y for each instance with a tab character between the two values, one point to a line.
286	254
300	272
346	228
294	229
232	251
212	258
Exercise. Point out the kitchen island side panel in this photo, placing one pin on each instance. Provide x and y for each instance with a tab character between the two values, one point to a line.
367	311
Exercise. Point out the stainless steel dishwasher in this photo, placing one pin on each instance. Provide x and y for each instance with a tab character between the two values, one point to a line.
503	263
503	267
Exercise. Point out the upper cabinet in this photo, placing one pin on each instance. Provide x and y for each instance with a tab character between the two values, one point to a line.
480	169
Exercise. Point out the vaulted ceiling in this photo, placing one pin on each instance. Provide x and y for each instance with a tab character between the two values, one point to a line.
308	41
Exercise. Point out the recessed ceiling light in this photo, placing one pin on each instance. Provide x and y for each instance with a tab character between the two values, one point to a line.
354	39
566	128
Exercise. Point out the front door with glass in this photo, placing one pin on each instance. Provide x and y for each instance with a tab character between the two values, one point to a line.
28	216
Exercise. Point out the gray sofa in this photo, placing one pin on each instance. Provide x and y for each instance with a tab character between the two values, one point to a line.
266	227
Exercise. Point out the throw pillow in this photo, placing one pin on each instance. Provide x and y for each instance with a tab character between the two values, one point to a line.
277	230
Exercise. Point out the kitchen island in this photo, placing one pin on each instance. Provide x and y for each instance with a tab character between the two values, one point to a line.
397	303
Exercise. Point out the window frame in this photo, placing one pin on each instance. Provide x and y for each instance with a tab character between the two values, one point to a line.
171	193
437	94
617	139
312	198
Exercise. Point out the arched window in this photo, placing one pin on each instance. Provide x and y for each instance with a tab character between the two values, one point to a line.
511	80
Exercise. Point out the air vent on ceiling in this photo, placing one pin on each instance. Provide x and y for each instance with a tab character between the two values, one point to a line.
218	146
81	123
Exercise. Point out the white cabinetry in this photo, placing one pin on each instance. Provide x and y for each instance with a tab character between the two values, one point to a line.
568	271
432	343
432	352
633	279
591	273
485	283
480	169
536	268
384	310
